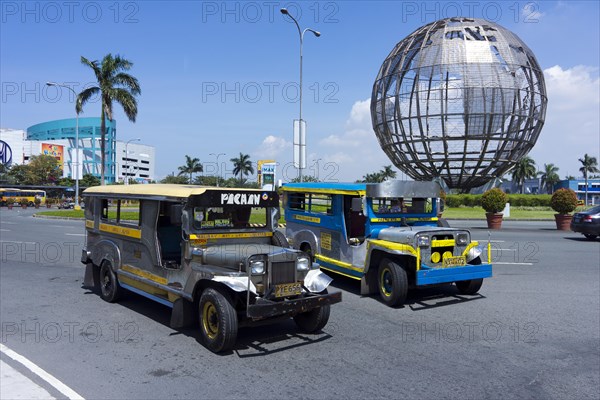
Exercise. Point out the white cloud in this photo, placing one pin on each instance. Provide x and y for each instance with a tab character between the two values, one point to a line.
272	147
572	126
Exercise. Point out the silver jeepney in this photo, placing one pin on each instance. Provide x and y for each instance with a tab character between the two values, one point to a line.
211	254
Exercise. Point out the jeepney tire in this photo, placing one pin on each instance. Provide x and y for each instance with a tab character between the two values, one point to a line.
314	320
280	240
218	321
110	290
392	283
469	287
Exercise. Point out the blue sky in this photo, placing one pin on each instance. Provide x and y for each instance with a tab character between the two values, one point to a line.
221	77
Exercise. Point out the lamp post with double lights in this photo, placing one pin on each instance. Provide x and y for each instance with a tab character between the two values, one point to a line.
127	158
301	133
218	168
76	169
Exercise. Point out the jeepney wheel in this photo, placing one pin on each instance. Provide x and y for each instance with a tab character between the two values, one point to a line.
308	250
218	321
109	286
314	320
393	283
280	240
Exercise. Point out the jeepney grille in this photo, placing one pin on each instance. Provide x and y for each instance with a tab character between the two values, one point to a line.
283	272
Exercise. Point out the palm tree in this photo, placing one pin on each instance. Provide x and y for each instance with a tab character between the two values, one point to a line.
387	173
549	177
570	177
589	164
243	166
524	169
191	166
114	85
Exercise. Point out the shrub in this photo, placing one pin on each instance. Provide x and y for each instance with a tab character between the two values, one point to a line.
494	200
564	201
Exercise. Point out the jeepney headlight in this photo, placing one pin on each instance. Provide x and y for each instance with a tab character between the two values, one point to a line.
197	251
462	239
422	240
257	267
302	264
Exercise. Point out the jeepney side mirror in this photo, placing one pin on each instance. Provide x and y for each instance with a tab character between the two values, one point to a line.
356	204
175	214
275	215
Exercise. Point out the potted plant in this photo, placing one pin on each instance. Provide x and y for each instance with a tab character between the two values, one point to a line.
23	202
10	204
493	202
49	202
37	201
563	202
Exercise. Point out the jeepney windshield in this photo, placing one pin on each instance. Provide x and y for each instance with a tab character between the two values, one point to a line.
401	205
229	217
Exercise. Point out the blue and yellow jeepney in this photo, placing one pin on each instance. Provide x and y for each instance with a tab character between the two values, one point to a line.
386	235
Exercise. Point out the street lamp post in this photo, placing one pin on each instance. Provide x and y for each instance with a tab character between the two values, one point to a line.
218	169
77	206
127	159
301	142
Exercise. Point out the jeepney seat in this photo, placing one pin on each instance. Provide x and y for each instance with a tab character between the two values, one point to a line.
357	225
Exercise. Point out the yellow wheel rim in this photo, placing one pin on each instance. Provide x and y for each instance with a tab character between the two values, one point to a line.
210	320
385	282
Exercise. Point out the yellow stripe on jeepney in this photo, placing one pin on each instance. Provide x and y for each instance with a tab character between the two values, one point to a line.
145	274
230	235
121	230
387	219
89	223
338	263
469	247
443	243
393	246
306	218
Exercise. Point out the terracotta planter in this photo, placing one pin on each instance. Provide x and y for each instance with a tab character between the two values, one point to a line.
37	206
23	205
10	206
48	205
563	221
494	220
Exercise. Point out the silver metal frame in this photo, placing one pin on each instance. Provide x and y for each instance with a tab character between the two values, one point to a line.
460	99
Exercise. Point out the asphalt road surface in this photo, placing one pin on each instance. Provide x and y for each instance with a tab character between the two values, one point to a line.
533	332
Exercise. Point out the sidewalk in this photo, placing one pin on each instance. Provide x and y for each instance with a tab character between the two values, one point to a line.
14	385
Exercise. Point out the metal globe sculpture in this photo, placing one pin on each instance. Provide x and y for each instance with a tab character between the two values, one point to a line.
460	99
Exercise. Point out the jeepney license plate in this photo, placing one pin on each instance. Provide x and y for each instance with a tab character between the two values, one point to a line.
454	261
288	289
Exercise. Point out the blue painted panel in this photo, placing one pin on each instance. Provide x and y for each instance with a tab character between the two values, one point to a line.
429	276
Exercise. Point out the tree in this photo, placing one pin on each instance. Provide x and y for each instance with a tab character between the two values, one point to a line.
570	177
175	179
42	170
524	169
206	180
66	181
114	85
549	177
373	177
88	180
305	178
589	164
17	174
191	166
243	166
387	173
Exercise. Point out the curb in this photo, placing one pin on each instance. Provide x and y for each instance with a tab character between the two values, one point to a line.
57	217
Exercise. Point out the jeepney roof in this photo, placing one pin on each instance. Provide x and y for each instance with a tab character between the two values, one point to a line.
325	187
156	190
410	189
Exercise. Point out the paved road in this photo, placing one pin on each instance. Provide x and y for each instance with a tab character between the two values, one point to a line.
533	332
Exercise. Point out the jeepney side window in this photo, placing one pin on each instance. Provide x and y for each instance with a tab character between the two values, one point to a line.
229	217
130	212
391	205
320	204
297	201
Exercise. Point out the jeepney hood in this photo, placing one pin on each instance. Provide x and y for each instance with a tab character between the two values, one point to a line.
407	234
232	255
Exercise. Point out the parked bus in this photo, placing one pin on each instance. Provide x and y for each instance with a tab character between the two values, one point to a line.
385	235
211	254
11	196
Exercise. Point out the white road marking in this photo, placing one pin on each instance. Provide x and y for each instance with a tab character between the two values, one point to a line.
17	242
510	263
8	223
55	383
75	234
15	385
4	230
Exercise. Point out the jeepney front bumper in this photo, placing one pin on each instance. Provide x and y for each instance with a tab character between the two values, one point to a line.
264	308
431	276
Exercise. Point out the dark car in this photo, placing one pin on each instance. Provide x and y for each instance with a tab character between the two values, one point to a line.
587	222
